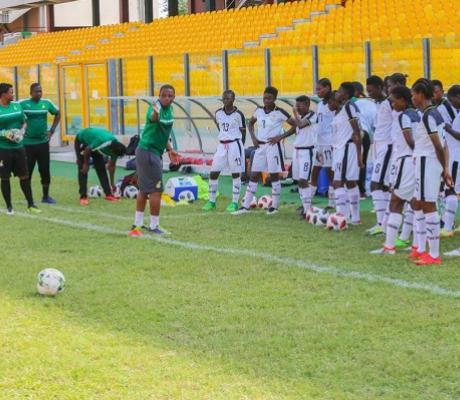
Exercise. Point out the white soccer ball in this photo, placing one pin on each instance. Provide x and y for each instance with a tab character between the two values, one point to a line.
50	282
310	213
320	218
186	195
264	202
130	192
95	191
336	222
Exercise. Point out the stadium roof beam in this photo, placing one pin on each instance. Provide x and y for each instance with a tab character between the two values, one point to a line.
21	4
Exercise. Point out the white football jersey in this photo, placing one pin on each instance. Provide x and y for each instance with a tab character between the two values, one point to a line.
341	124
306	136
383	122
430	123
452	143
324	125
449	113
408	119
230	124
395	128
368	112
270	124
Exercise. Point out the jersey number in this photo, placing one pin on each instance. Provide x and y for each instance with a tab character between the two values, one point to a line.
238	161
225	126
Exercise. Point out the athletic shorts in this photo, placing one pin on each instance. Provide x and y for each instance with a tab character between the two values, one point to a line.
393	172
268	158
229	156
404	184
345	163
149	169
382	160
323	156
454	169
302	163
428	173
13	161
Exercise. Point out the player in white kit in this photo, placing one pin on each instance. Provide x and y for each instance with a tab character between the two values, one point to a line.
347	158
430	167
268	156
230	150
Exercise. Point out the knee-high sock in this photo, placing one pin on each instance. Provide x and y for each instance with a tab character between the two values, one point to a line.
379	200
331	197
305	197
236	189
353	197
27	190
408	223
393	224
276	192
250	191
420	230
213	189
432	233
449	212
385	217
341	201
6	192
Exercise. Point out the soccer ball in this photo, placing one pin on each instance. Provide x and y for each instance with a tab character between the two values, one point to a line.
264	202
50	282
336	222
130	192
186	195
95	191
320	218
311	213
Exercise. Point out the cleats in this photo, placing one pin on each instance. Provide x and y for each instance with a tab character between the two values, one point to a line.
426	259
135	231
9	211
232	207
84	201
241	211
111	198
209	206
415	255
446	234
375	231
48	200
34	210
272	211
401	244
453	253
384	250
156	231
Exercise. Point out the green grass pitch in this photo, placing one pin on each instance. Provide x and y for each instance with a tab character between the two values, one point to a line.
249	307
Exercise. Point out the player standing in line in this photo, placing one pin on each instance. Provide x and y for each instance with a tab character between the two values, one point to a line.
37	136
404	186
430	166
268	155
347	157
323	148
154	141
230	150
13	159
438	92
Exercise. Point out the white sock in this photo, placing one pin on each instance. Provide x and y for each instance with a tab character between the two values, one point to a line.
331	197
236	189
213	183
408	223
138	218
154	221
393	224
449	212
385	217
353	197
305	198
420	230
432	228
378	198
276	192
250	191
341	201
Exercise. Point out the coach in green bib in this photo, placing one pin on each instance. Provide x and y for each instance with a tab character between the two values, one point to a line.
37	136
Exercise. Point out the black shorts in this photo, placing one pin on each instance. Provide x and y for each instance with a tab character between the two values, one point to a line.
13	161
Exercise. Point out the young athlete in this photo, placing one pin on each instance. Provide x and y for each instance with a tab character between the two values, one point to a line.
149	153
230	151
347	157
404	186
430	166
438	92
268	155
13	159
323	148
37	136
95	143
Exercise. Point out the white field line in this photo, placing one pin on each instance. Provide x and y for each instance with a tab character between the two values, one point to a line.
290	262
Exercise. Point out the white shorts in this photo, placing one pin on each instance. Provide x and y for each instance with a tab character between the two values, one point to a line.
404	184
229	156
302	163
345	163
454	170
268	158
428	173
394	166
382	158
323	156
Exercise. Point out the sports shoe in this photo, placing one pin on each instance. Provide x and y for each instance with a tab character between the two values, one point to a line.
272	211
446	234
415	255
453	253
240	211
209	206
384	250
135	231
426	259
48	200
111	197
375	230
232	207
399	244
84	201
156	231
9	211
34	210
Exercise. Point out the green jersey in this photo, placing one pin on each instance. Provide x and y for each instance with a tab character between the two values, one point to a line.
98	139
156	134
37	120
11	117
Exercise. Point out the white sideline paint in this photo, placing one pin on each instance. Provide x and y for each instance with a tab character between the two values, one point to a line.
433	289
